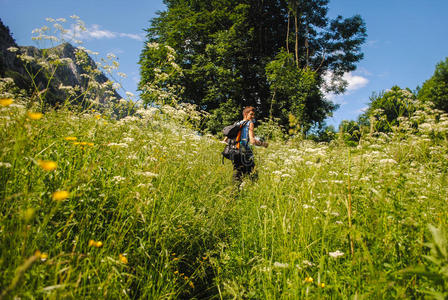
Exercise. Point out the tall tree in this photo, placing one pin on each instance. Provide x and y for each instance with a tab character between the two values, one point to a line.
435	89
387	107
224	47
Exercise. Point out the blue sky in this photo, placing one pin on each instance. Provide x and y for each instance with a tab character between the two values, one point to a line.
406	38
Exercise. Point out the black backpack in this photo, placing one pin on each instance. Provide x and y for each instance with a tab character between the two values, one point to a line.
233	134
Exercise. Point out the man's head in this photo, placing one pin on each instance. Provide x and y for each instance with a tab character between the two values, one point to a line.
249	111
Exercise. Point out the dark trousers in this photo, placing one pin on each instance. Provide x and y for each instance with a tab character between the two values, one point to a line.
243	165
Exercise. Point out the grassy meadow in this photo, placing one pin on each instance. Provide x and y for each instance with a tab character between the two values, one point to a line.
143	208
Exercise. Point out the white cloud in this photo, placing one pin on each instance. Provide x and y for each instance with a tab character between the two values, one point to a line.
362	110
133	36
95	32
355	82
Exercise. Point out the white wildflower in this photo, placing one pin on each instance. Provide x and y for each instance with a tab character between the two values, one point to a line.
280	265
117	179
123	145
336	254
132	156
6	165
386	161
128	139
13	49
337	181
147	174
307	263
306	206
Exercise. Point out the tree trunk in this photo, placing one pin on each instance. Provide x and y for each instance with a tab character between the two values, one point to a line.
287	34
297	40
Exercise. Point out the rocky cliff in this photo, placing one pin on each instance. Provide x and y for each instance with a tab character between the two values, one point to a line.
70	75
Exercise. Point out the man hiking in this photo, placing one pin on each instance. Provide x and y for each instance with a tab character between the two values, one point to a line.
243	163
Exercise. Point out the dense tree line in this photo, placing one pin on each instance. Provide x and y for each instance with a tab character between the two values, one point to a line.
387	107
271	54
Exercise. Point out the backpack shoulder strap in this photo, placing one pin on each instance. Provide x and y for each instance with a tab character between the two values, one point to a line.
238	137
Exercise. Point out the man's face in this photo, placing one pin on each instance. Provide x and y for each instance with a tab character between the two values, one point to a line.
251	115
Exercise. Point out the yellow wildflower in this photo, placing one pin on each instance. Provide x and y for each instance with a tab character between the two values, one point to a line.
6	101
43	256
60	195
98	117
176	272
70	138
191	284
309	279
123	259
322	285
93	243
37	253
47	165
34	115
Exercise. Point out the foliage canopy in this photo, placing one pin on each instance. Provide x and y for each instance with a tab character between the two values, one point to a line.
269	54
435	89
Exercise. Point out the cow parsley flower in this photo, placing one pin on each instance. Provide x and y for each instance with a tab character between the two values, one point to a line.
336	254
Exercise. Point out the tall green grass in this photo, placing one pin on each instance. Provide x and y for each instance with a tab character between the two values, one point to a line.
156	193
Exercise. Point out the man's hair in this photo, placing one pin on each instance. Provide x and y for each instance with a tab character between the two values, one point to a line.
248	109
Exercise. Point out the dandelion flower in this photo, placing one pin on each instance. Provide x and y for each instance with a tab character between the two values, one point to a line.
123	259
309	279
47	165
43	256
322	285
6	101
91	243
60	195
70	138
34	115
99	244
336	254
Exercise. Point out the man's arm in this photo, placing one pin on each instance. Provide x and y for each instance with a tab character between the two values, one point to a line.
252	138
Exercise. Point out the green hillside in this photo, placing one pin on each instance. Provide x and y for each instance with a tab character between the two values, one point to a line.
150	211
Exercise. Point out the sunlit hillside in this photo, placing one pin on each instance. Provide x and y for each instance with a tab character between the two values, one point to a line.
143	208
